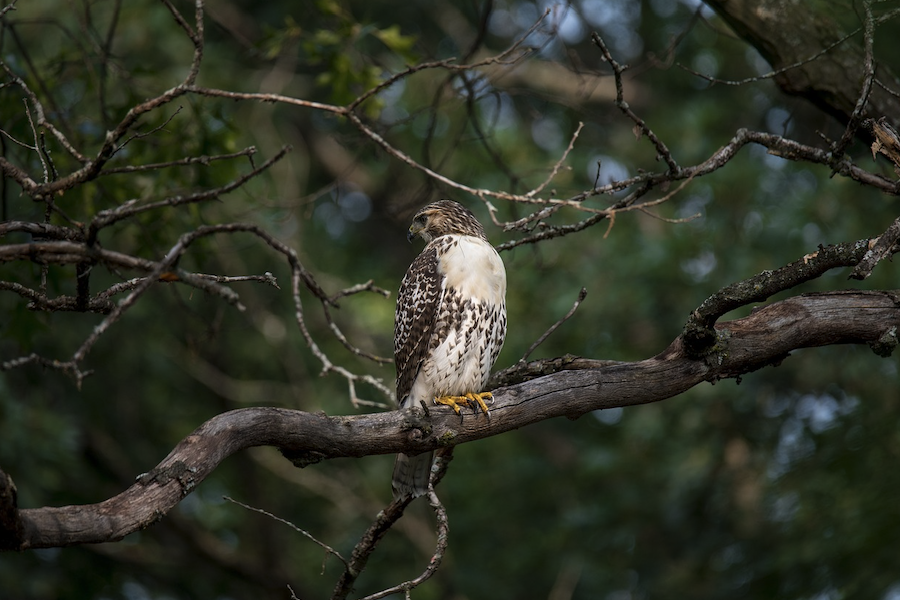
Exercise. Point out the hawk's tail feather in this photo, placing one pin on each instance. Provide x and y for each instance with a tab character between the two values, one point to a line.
411	475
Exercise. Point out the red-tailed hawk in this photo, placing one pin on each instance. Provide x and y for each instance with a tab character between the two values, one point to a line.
450	323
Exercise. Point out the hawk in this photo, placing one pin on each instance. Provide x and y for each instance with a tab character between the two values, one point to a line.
450	323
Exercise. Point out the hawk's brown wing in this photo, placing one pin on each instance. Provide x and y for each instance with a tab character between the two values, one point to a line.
417	304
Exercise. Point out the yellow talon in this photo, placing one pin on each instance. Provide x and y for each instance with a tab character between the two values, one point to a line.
469	399
479	400
451	401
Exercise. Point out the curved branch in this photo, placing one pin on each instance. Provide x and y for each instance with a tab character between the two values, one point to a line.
699	334
766	337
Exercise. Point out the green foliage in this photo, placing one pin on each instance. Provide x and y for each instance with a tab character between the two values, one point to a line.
779	487
347	56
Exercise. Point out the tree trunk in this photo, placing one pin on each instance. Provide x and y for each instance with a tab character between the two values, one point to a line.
787	33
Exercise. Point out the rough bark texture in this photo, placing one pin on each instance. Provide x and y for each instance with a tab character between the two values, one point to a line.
788	32
766	337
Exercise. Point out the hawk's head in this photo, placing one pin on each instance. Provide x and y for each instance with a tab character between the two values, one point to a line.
444	217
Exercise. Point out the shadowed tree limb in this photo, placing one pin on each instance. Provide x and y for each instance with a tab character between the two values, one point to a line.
699	334
766	337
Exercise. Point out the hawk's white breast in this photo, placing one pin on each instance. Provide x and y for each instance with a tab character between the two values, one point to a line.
473	267
470	324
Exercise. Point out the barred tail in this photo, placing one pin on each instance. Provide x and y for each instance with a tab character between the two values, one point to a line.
411	475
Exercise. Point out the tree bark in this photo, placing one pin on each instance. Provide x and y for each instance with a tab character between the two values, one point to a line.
766	337
787	33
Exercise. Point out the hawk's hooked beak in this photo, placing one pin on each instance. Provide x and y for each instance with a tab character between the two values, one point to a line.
414	230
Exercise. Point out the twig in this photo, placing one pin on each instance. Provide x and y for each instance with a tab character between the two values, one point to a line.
581	296
39	301
367	544
527	223
443	533
266	277
105	218
346	343
37	143
449	64
382	524
40	116
368	286
558	164
69	367
776	72
303	532
195	35
8	7
879	249
552	232
188	160
662	150
868	77
142	134
18	142
298	274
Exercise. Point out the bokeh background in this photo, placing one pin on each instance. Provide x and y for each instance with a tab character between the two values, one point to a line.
782	485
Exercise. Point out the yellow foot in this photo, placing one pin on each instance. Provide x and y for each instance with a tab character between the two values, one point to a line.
468	400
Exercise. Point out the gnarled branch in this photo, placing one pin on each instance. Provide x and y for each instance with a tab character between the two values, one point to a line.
766	337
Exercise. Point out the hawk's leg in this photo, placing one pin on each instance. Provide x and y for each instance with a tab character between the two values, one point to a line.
468	400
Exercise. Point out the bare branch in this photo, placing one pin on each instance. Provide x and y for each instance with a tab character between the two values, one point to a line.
443	532
581	296
105	218
699	335
368	286
39	301
886	142
303	532
266	277
868	77
8	7
194	34
383	523
558	164
885	246
776	72
43	230
41	117
188	160
142	134
449	64
641	128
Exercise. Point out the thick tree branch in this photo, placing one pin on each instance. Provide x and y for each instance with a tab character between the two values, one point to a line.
879	249
766	337
699	334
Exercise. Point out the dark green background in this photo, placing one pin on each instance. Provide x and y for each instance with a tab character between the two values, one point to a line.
783	486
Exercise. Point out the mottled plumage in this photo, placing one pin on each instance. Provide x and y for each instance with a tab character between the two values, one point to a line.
450	322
